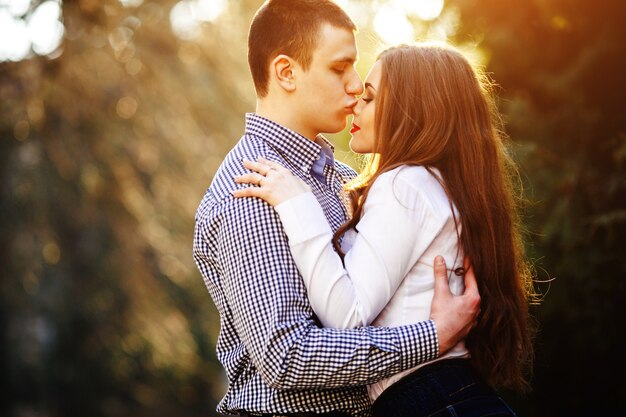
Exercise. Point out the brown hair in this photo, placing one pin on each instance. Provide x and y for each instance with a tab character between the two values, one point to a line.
289	27
434	109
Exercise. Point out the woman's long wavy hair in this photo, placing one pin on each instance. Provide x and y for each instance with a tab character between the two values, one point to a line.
434	109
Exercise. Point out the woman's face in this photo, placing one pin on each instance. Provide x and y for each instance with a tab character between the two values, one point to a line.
364	113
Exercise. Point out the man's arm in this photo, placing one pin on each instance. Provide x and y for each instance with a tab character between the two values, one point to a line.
275	322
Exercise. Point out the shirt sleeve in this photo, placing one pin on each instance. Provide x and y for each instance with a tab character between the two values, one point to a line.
276	324
397	226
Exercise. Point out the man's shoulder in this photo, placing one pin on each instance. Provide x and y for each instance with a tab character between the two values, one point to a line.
248	147
218	201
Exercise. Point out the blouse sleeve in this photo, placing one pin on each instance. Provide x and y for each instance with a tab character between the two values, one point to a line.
397	225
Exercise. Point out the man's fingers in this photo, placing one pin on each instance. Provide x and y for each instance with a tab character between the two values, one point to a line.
470	280
470	277
471	292
441	275
467	263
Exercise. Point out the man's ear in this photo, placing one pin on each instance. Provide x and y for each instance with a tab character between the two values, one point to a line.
282	69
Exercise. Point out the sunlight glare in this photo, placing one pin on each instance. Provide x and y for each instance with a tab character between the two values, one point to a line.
22	33
424	9
16	7
46	30
14	42
358	12
131	3
392	25
187	16
182	20
210	10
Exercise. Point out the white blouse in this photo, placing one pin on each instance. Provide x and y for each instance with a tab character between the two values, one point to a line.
386	278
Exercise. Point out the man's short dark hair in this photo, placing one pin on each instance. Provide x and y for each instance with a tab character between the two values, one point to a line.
289	27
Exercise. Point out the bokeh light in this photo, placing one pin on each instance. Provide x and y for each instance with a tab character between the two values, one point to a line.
45	28
15	7
187	16
424	9
393	20
22	33
392	25
131	3
14	42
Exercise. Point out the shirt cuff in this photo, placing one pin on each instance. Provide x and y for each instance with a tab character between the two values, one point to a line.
418	343
302	218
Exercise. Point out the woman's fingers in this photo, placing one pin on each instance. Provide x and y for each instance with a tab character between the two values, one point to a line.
274	165
248	192
257	167
274	183
250	178
265	166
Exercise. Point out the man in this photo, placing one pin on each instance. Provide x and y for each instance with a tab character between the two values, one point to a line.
277	358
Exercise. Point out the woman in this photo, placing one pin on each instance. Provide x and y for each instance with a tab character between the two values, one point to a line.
438	181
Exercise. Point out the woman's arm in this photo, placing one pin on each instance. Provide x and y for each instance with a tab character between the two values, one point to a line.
393	233
397	226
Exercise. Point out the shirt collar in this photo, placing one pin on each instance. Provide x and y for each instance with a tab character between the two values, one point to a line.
293	146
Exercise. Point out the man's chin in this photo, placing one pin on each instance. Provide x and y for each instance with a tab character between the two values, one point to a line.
337	127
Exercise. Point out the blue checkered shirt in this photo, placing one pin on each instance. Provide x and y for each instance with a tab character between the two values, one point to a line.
276	356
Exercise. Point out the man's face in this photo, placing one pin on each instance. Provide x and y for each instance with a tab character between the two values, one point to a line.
325	93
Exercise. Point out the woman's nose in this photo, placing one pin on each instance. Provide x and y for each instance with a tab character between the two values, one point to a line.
357	109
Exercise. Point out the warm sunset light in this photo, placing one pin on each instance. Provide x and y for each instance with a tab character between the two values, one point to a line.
187	16
135	284
424	9
391	20
392	25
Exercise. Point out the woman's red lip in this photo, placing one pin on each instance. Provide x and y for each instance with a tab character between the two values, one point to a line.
355	128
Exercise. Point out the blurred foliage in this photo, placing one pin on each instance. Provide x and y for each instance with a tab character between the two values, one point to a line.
561	69
107	149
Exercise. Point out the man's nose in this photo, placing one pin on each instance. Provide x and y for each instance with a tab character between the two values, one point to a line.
355	85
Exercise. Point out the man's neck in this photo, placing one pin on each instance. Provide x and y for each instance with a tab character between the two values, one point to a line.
278	114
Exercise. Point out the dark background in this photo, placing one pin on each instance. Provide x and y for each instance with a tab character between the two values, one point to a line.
107	146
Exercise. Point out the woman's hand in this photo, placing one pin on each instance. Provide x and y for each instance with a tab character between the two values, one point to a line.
274	183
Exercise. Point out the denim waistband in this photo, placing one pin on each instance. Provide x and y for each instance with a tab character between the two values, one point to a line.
446	384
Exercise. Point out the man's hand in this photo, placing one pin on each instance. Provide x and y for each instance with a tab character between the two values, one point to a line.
454	316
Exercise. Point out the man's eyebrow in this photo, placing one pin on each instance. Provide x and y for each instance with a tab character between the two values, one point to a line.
346	60
369	85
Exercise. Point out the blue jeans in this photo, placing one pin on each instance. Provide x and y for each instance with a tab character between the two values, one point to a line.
449	387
